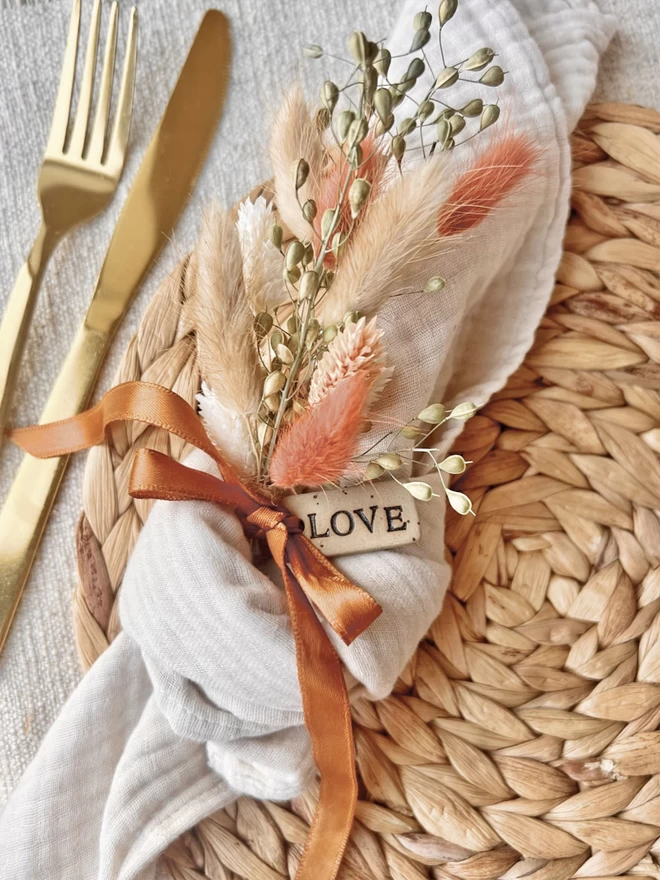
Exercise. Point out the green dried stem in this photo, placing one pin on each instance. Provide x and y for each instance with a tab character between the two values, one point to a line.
420	429
373	58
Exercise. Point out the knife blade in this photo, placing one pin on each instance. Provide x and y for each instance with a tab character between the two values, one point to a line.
162	186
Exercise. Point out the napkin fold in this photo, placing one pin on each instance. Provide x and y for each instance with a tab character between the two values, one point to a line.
197	701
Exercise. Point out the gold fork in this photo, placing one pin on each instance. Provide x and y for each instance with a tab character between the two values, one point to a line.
78	175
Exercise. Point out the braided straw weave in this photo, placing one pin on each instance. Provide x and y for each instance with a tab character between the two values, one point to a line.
522	740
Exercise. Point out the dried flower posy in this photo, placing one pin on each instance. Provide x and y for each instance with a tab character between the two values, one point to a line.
355	209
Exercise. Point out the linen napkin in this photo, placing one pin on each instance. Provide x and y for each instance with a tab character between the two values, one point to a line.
197	701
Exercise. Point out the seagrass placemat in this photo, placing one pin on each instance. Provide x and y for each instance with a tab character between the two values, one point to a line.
522	739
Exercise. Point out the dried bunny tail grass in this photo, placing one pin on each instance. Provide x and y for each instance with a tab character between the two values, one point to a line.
396	245
357	348
222	318
338	174
295	135
319	446
504	165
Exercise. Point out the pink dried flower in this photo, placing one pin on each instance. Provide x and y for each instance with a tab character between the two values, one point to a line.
504	165
338	175
357	348
319	446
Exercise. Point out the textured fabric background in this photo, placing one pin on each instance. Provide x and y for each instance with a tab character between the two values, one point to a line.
39	667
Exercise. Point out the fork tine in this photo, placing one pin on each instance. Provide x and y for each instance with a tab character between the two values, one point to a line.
60	122
122	123
77	143
120	130
100	126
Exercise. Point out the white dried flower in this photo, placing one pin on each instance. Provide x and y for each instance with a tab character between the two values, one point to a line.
228	430
262	262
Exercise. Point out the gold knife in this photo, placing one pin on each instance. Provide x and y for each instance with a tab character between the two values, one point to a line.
157	196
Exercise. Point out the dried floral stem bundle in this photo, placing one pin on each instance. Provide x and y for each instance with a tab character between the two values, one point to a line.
292	352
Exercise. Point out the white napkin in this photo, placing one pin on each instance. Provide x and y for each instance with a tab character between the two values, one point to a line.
197	700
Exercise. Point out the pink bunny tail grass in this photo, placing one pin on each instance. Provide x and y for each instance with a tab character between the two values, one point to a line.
338	174
505	164
319	446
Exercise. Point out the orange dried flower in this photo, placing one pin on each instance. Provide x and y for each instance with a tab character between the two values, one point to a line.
319	446
495	174
338	174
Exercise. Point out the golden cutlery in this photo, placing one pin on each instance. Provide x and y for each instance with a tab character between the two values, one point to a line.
78	176
159	192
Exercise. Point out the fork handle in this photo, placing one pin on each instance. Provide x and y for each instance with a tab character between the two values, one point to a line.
18	316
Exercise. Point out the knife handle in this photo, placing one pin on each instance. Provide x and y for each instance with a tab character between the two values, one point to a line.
25	512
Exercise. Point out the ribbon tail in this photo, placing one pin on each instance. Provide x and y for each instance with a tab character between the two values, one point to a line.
132	401
325	699
328	719
348	608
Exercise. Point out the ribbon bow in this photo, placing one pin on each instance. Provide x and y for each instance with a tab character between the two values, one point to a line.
307	575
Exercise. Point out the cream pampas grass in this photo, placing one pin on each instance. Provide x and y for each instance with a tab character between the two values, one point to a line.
396	245
357	348
222	318
295	136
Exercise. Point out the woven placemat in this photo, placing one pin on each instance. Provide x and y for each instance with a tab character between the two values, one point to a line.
522	739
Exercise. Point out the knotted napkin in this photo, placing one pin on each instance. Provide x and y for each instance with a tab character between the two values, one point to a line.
198	700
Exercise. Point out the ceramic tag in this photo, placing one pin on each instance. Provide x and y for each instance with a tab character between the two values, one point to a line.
373	516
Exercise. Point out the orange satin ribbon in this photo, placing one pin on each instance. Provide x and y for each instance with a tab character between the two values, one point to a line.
308	578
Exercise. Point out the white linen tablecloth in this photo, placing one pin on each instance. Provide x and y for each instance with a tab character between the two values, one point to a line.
39	667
